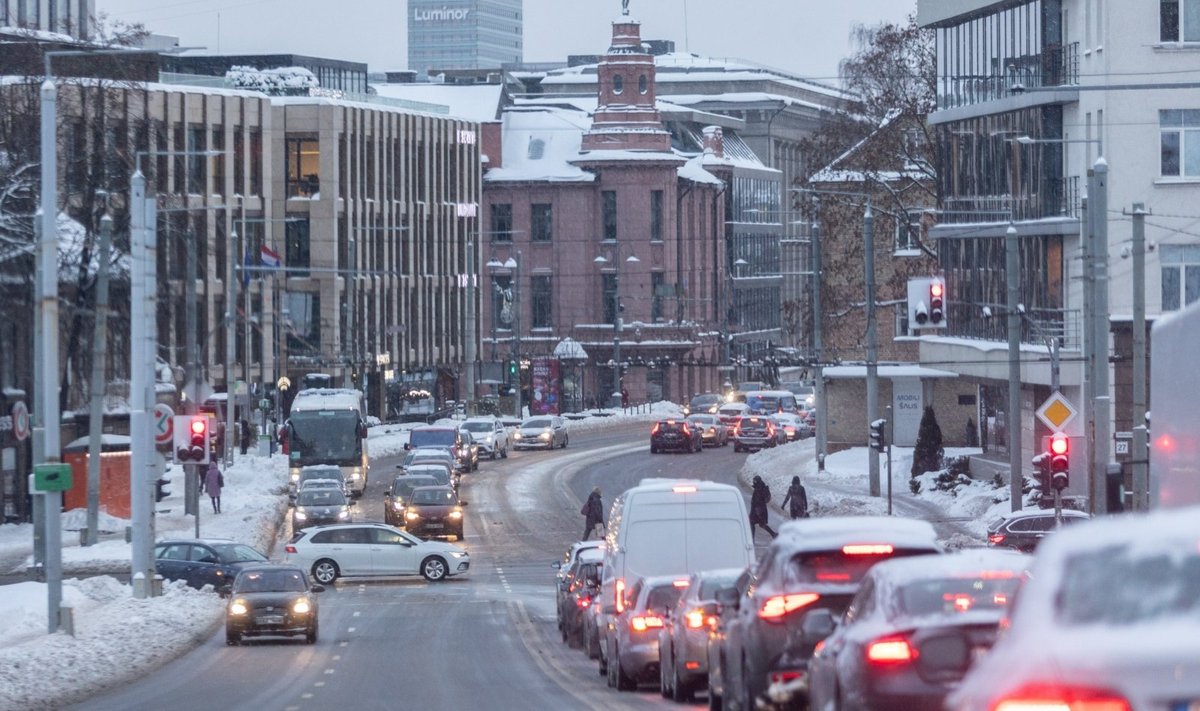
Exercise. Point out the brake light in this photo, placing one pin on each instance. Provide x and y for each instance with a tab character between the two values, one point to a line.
961	602
996	539
686	431
868	549
619	587
583	602
691	666
776	607
681	583
891	650
641	623
684	489
695	619
783	677
1051	697
655	430
289	549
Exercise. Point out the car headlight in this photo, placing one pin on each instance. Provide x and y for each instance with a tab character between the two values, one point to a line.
343	514
356	474
458	554
464	451
398	505
456	514
295	475
301	516
302	606
412	515
516	435
545	435
237	607
488	439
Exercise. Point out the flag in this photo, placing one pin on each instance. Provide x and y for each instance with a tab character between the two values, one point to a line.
270	258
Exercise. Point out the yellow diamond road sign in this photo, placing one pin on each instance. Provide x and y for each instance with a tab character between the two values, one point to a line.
1056	412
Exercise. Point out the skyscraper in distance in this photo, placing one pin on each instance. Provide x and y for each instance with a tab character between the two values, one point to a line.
464	34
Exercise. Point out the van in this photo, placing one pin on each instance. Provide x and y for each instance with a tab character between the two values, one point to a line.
769	402
670	527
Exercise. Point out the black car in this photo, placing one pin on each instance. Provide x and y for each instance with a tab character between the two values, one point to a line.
214	562
704	404
271	600
1023	530
754	432
396	497
677	435
318	507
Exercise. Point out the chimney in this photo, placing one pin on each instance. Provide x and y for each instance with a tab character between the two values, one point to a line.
714	141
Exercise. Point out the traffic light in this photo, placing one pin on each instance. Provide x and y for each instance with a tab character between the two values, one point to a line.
512	367
937	294
1041	469
1060	461
160	491
192	439
879	435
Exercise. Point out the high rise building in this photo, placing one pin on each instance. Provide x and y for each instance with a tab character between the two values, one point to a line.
464	34
68	17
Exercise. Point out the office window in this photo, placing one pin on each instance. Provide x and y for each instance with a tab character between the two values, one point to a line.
908	235
541	222
609	214
1179	21
218	144
303	322
297	248
239	161
608	289
197	165
1180	275
256	159
656	202
501	228
1180	141
543	300
303	167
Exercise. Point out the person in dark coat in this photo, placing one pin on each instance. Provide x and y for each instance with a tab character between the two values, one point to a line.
760	497
214	481
797	497
244	434
593	512
624	398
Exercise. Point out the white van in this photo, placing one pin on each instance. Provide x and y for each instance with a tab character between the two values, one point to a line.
672	527
770	402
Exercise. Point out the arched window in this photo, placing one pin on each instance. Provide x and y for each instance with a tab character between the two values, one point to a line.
618	83
642	86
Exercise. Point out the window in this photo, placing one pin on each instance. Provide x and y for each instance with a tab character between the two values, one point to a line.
643	85
197	164
908	235
303	322
657	284
543	300
502	222
656	202
239	161
1180	275
618	83
256	159
609	289
303	167
541	222
218	144
297	249
1180	140
609	214
1179	21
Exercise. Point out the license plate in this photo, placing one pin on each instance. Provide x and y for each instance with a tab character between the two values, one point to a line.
434	525
270	620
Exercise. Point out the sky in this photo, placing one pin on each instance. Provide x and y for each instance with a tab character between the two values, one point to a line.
808	37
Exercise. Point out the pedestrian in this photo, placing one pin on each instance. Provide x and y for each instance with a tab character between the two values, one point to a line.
797	497
244	435
624	398
759	498
593	513
214	481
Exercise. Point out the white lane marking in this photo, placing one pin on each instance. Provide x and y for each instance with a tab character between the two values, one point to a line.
306	695
356	613
319	683
330	671
351	629
337	657
343	644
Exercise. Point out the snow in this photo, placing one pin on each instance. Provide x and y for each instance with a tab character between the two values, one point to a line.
473	102
694	170
854	372
271	81
560	133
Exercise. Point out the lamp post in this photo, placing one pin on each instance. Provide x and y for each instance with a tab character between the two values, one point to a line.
514	267
617	321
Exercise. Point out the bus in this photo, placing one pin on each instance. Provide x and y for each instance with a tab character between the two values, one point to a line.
328	426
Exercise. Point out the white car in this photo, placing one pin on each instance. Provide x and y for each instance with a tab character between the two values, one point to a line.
490	434
372	549
541	432
1108	619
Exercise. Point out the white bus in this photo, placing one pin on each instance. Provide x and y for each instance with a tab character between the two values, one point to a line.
328	426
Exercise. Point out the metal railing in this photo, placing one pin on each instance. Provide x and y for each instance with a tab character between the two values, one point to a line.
968	320
1055	66
1057	197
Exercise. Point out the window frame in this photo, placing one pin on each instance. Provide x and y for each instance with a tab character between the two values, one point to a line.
1172	21
300	184
542	288
1175	260
608	215
656	215
500	222
1182	128
541	222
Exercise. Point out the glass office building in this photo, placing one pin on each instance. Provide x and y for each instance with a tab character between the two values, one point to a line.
463	34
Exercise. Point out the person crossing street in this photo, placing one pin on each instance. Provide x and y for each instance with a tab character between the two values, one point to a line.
760	497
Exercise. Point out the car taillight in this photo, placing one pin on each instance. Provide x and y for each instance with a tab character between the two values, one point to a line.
891	650
686	431
776	607
619	587
583	602
695	619
641	623
289	549
996	539
1053	697
868	549
655	430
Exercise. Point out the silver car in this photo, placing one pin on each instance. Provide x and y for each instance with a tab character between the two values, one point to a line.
713	432
490	434
542	432
683	642
633	654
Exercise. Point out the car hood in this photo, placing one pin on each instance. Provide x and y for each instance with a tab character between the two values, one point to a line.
430	509
259	600
321	510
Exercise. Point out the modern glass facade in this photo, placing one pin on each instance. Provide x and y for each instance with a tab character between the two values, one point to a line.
464	34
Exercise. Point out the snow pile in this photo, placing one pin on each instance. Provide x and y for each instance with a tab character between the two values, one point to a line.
617	418
23	605
281	81
388	440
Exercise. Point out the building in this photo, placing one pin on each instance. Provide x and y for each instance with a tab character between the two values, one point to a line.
467	34
332	74
1030	95
74	18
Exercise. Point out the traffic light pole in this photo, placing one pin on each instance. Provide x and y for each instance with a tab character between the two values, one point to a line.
96	411
872	352
1012	265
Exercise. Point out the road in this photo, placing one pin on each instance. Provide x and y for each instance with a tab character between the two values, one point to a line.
486	640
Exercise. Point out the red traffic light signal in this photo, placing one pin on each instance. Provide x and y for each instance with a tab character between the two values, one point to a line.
937	292
1060	462
192	440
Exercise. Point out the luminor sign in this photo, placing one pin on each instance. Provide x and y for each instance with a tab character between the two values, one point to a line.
445	14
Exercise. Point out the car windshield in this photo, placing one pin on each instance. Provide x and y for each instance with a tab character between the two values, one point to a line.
439	474
836	567
237	553
536	424
321	497
1121	585
946	597
433	438
705	401
703	420
256	581
709	585
404	484
477	426
325	434
433	497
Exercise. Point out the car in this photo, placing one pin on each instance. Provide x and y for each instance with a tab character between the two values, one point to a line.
542	432
468	452
564	567
703	404
754	432
445	436
203	561
434	510
317	471
425	455
676	435
724	610
793	427
730	413
1108	618
439	470
633	650
781	433
683	641
583	587
275	600
372	550
490	434
589	625
1023	530
813	564
770	402
911	632
317	506
713	432
397	494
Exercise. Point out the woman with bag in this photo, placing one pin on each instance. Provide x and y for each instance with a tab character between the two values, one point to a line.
798	498
214	481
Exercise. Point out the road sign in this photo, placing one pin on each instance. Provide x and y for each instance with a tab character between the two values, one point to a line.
164	424
20	420
51	477
1056	412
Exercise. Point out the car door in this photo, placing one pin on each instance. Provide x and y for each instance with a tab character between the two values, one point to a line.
392	553
560	431
349	547
203	564
171	560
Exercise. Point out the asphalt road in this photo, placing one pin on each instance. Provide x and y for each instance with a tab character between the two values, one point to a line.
487	640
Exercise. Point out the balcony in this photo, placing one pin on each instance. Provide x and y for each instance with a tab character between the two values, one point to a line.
1058	197
1056	66
1039	325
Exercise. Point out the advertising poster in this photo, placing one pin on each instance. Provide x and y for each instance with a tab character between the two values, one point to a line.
545	384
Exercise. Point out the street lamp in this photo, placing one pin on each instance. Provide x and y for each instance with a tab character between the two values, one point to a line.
513	266
617	321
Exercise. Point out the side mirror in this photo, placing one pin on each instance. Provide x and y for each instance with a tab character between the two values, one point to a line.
557	565
407	446
817	625
362	430
317	588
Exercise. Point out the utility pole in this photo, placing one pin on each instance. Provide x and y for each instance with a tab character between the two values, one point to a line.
1012	263
872	350
817	318
1100	383
516	287
469	328
1141	451
192	475
96	411
1088	307
230	343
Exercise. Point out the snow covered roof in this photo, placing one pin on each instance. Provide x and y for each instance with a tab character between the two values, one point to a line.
474	102
856	372
694	170
539	145
837	531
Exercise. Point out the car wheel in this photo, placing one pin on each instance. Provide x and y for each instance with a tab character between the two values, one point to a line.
682	693
610	672
433	568
745	702
504	453
311	636
653	449
564	444
325	571
624	681
663	687
233	639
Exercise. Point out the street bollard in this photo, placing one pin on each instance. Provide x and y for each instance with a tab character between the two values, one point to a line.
83	536
820	461
66	619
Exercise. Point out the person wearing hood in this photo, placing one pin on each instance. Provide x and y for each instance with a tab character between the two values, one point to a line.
796	499
760	497
214	481
593	512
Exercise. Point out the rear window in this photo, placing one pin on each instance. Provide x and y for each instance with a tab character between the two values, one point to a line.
953	596
679	547
1119	585
705	401
433	438
836	567
663	598
710	585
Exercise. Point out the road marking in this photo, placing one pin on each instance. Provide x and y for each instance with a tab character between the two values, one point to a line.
337	657
306	695
356	613
291	708
551	666
351	629
330	671
343	644
319	684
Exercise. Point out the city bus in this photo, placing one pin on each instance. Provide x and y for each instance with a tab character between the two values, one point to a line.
328	426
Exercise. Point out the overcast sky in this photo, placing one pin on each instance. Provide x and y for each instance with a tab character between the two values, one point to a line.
805	36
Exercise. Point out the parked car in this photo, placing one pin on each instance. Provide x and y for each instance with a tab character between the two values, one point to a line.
319	506
434	511
318	471
713	432
395	498
633	650
542	432
468	452
683	642
813	564
912	631
490	434
754	432
703	404
372	549
275	600
1024	530
1108	618
676	435
200	562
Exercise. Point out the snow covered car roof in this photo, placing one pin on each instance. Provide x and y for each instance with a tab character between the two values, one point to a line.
811	534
